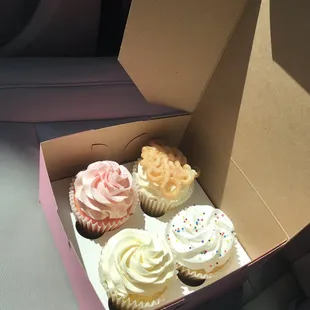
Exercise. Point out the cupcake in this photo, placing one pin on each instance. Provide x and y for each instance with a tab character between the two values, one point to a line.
102	198
135	269
164	179
203	241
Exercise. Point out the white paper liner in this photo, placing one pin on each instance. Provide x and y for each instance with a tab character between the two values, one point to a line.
97	227
218	273
155	206
124	303
127	302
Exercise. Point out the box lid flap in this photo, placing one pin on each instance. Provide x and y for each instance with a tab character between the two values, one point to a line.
271	144
261	119
170	48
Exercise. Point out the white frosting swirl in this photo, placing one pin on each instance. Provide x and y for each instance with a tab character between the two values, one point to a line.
151	189
202	237
134	262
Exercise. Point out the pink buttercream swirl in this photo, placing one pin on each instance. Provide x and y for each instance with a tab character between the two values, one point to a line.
105	191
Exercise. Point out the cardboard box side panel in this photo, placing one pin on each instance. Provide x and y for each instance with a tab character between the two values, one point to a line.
84	292
170	48
212	129
272	142
121	143
257	229
218	110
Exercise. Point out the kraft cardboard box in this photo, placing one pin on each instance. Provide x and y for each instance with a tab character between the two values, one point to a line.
245	128
63	157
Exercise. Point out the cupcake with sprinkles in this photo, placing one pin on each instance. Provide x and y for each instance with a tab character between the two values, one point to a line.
203	241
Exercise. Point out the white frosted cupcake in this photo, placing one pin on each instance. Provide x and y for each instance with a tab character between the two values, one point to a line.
164	179
203	241
135	269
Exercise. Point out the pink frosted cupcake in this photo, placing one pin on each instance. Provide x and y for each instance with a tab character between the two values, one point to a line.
102	198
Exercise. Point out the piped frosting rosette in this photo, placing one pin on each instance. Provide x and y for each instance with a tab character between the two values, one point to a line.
103	197
203	240
135	269
164	179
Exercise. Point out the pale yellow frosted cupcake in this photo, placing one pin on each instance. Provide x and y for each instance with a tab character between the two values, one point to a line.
135	269
164	179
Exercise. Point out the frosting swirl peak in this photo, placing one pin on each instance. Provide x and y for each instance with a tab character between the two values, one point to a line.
202	237
133	262
105	190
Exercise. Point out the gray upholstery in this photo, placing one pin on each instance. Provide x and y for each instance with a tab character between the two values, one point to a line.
302	270
49	27
50	89
280	282
13	18
277	296
32	276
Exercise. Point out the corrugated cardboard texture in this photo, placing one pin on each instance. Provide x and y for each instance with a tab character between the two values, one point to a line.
212	130
255	115
66	156
170	48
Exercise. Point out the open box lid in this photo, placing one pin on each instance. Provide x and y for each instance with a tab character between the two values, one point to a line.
170	48
252	115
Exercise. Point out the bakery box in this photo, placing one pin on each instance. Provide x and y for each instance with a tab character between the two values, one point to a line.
214	61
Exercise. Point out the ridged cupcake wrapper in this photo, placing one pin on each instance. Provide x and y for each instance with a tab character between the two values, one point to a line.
125	303
97	227
219	273
154	206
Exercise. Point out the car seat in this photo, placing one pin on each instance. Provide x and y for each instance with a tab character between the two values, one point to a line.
49	27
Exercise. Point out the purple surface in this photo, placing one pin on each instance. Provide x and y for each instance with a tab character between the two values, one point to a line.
58	89
47	131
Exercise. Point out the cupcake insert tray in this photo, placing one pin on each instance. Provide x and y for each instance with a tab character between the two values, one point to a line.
89	251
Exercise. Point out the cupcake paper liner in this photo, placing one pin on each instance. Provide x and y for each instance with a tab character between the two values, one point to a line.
88	224
157	207
126	303
216	273
153	206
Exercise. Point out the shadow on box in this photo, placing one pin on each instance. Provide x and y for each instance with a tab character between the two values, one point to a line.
220	109
290	33
219	114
